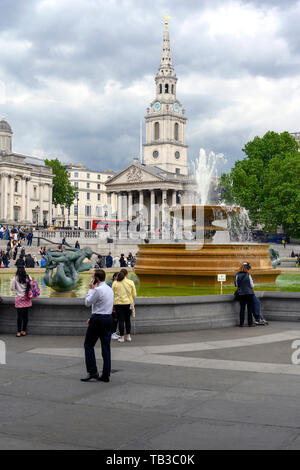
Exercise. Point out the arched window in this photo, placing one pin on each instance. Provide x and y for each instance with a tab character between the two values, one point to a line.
176	131
166	88
172	89
156	130
160	88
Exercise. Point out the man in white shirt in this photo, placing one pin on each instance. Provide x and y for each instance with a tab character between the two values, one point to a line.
101	298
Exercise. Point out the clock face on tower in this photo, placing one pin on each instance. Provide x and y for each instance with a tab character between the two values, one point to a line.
176	107
157	106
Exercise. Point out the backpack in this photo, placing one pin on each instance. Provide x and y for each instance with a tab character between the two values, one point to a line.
34	287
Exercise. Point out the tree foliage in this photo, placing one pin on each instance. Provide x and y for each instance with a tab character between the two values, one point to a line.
63	192
267	182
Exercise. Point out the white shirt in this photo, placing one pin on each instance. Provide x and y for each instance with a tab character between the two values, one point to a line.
101	299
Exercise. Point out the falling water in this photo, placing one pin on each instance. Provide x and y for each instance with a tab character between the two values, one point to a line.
237	227
205	168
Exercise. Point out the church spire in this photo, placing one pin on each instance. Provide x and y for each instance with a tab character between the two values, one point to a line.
166	66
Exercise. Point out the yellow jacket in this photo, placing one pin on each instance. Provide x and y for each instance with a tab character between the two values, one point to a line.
124	292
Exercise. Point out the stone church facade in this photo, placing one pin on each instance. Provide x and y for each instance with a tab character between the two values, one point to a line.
162	178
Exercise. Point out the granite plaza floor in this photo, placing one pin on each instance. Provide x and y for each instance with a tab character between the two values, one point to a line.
228	388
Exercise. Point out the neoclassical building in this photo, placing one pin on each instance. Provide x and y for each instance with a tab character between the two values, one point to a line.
162	178
25	185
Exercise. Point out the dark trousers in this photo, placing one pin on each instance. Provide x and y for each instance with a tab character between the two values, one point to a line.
246	300
100	326
22	319
115	321
124	314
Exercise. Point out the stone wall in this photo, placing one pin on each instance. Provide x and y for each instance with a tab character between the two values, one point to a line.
62	316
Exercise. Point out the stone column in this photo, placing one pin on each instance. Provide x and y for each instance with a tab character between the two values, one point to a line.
28	215
130	205
174	194
141	201
164	217
152	213
23	205
4	198
11	198
119	211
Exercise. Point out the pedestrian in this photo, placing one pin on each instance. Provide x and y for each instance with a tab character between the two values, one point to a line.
123	262
109	260
114	313
124	295
20	285
77	245
244	283
101	298
29	238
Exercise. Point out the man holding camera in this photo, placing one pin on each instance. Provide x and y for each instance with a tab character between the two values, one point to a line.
101	298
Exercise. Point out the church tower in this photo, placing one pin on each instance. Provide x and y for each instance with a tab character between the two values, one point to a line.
165	145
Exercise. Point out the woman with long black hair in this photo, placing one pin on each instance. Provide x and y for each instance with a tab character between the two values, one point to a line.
20	285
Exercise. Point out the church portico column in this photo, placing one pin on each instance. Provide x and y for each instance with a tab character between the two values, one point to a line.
152	213
164	216
130	205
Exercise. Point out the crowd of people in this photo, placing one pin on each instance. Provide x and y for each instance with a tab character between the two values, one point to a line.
116	262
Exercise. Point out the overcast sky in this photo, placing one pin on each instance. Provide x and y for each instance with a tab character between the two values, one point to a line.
76	76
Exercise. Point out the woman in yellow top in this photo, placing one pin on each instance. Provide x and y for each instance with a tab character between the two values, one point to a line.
124	295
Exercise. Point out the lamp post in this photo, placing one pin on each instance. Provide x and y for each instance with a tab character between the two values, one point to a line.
37	211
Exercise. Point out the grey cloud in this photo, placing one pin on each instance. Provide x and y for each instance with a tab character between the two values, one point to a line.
122	41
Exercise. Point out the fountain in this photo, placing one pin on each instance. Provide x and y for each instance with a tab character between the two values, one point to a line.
198	262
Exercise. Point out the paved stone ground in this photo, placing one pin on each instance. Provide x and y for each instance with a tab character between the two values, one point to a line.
227	388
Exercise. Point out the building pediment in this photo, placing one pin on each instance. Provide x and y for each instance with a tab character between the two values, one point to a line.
134	174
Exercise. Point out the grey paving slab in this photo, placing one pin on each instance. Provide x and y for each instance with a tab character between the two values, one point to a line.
153	405
9	442
251	408
87	426
158	398
273	353
210	435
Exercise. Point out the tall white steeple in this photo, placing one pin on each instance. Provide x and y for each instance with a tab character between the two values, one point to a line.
165	145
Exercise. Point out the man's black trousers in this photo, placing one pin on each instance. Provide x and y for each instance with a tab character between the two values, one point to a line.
100	327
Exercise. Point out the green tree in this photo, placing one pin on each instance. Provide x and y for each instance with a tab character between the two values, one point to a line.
63	192
266	182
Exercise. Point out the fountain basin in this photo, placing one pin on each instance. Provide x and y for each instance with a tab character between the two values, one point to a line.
199	265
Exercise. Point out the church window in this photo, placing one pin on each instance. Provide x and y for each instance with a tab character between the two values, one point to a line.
155	154
75	175
99	197
88	196
87	185
177	171
176	131
156	130
16	186
172	89
98	186
177	155
160	88
166	88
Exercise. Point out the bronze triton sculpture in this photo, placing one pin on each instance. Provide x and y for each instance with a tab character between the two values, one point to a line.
63	267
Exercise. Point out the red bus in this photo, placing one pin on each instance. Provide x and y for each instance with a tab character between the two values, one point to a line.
108	225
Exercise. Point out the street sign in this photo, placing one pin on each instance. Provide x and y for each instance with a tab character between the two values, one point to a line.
221	277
